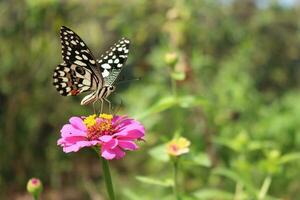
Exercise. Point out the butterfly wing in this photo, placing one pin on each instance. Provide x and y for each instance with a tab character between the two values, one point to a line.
79	72
111	63
75	51
71	79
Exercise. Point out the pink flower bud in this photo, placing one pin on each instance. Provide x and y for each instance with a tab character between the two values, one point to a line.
34	186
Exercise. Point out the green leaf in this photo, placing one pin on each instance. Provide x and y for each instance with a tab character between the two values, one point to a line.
170	101
178	76
131	195
205	194
153	181
236	178
202	159
289	158
161	105
191	101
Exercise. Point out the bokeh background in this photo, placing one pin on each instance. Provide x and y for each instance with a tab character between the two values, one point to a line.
224	74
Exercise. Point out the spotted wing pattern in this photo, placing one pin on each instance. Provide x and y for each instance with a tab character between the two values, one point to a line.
71	79
75	51
79	72
112	61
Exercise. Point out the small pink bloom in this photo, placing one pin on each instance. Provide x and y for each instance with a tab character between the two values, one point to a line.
34	186
178	146
114	134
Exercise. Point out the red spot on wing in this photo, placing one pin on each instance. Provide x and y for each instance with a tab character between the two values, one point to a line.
74	92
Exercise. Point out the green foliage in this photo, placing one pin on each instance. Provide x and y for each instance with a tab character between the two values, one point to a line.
231	86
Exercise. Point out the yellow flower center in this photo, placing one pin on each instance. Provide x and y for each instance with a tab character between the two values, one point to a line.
106	116
90	120
97	127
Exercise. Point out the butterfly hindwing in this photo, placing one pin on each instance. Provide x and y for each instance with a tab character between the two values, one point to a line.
112	61
71	79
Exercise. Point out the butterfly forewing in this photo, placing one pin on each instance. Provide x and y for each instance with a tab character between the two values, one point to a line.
75	51
79	72
112	61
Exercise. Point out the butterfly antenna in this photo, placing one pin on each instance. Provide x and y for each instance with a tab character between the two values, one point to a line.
128	80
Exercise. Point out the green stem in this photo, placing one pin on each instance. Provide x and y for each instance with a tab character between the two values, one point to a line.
264	188
238	191
35	196
107	177
173	81
175	174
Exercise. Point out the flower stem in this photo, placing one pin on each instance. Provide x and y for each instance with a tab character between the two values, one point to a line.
107	177
175	176
265	187
35	196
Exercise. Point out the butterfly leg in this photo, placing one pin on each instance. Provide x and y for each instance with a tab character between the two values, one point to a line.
109	105
94	107
101	107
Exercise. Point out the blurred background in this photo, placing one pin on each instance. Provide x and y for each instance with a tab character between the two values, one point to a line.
224	74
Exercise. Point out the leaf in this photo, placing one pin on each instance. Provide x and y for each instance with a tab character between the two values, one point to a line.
160	153
178	76
153	181
161	105
208	193
191	101
202	160
237	178
170	101
130	194
289	158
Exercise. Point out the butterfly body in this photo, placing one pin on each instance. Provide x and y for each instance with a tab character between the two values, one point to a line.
81	72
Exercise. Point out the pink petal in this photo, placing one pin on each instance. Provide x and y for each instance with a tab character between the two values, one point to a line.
119	153
130	134
117	118
105	138
110	144
69	130
70	140
131	126
77	122
60	141
122	121
112	153
75	139
107	154
77	146
127	145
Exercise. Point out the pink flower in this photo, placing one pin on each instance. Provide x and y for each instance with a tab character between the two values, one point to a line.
114	134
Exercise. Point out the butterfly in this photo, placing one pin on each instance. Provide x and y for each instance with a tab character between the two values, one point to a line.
81	72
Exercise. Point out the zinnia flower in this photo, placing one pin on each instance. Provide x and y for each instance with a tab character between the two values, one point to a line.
178	146
113	134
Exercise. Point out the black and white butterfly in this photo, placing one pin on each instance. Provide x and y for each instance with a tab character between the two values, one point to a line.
81	72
